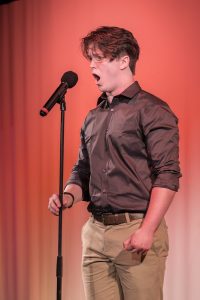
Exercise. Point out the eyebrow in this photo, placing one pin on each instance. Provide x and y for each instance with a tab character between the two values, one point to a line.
95	55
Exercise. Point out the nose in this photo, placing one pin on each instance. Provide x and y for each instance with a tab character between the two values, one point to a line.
92	64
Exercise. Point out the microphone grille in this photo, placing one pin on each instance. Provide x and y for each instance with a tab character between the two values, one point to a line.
70	78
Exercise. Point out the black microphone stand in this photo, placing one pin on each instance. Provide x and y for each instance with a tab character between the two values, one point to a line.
59	267
68	80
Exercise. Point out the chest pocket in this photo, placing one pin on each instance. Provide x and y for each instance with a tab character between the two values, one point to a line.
124	132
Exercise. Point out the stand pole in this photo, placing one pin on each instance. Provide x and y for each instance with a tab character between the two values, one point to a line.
59	267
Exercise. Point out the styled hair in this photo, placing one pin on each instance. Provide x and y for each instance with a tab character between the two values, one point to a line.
113	42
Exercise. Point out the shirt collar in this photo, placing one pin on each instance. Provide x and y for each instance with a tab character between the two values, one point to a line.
129	93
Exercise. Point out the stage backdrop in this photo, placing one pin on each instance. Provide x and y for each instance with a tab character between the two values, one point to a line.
39	42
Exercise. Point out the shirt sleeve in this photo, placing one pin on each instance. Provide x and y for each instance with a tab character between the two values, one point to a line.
160	128
80	174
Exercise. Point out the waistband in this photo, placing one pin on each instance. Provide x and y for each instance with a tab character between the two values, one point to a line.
116	219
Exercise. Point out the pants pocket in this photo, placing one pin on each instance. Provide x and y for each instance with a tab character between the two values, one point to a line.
161	241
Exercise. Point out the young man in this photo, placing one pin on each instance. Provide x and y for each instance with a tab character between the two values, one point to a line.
128	170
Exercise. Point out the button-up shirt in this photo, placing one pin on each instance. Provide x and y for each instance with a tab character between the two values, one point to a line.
127	147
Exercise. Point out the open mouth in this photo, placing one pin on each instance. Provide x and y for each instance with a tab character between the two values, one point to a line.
96	77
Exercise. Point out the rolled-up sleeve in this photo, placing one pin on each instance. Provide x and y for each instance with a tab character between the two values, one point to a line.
160	127
80	174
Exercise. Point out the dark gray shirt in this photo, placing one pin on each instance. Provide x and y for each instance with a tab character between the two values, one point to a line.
127	147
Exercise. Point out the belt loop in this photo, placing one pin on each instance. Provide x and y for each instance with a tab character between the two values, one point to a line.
127	217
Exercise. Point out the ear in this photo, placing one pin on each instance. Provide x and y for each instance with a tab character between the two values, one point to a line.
124	62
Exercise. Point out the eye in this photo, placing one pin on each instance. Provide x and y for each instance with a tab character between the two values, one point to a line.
98	58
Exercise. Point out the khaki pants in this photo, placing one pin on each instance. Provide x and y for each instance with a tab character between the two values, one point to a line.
110	272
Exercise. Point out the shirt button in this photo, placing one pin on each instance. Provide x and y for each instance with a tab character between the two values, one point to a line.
112	109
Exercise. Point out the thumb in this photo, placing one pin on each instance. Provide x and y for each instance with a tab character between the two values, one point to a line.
126	244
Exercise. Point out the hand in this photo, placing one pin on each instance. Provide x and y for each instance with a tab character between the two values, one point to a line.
55	205
140	241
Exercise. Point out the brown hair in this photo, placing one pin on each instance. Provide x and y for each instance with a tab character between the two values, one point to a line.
113	42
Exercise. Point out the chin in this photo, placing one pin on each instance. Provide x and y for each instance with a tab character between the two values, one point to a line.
102	89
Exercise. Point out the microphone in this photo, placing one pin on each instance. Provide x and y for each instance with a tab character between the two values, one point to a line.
68	80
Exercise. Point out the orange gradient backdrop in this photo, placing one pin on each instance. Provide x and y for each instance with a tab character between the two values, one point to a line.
40	41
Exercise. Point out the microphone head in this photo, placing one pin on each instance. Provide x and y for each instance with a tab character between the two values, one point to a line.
70	78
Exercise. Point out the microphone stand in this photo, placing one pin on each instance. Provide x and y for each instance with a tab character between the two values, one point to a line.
68	80
59	267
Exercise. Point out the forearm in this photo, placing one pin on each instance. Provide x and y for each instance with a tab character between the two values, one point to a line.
160	201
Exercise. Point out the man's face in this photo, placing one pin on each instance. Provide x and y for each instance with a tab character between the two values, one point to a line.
106	73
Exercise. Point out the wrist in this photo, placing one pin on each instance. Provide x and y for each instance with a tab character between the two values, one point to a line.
147	228
72	198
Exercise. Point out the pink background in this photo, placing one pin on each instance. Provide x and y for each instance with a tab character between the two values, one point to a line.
39	42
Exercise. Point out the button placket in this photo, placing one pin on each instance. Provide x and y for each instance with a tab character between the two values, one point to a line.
107	157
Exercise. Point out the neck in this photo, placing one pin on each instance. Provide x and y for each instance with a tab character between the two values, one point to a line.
123	86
